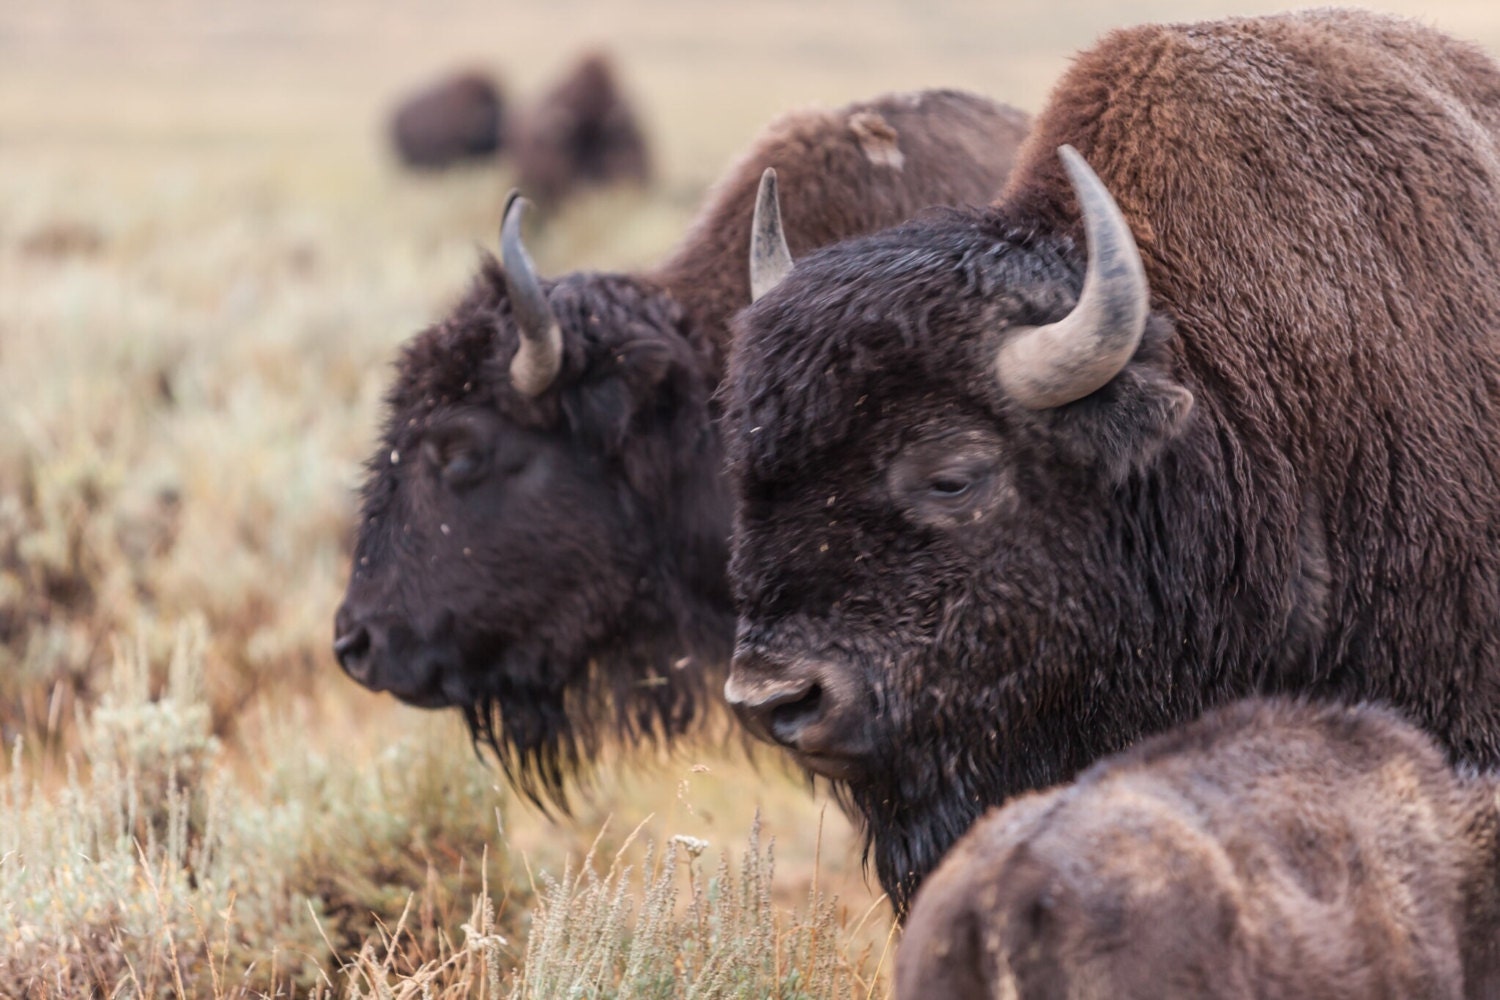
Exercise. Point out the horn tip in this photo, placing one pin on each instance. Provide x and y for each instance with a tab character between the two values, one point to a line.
767	193
1073	161
516	203
511	200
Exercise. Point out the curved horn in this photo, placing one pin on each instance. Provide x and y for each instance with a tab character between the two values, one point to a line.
1058	363
770	260
539	355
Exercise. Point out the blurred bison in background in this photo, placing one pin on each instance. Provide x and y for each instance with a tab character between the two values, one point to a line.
459	118
545	522
1271	849
1002	511
582	133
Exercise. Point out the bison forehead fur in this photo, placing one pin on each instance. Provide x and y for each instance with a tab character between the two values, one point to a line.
554	564
1292	486
1268	849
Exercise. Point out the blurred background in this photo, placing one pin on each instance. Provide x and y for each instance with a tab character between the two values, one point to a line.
208	257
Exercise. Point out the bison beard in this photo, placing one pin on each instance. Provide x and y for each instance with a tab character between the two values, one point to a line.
960	576
542	736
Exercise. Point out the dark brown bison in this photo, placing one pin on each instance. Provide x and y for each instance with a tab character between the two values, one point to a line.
545	523
458	118
1271	849
581	133
1002	510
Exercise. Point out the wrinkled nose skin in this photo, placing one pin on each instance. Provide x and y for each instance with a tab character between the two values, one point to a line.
385	658
814	708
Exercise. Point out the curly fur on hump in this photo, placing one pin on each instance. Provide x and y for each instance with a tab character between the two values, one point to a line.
572	588
1293	486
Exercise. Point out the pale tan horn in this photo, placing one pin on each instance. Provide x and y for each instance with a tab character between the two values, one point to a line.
539	355
770	260
1053	365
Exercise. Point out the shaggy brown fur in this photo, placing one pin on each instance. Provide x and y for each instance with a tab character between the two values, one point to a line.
458	118
581	133
1293	486
1271	849
901	154
555	566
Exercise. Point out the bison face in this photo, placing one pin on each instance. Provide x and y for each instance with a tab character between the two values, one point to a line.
944	576
542	544
496	545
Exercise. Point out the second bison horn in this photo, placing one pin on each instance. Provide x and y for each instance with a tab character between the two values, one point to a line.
1053	365
770	260
539	355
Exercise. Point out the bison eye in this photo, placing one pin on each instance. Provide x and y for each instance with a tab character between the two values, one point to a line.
457	462
948	487
461	469
950	480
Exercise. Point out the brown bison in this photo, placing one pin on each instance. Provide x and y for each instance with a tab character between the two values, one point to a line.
1271	849
581	133
1003	509
459	118
545	521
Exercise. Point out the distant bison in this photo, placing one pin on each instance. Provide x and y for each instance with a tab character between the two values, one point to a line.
1002	511
545	523
458	118
1271	849
581	133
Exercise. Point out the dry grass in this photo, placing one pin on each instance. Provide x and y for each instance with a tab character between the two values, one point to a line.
205	265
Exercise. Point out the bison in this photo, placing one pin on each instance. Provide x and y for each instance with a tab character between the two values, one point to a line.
1003	509
1270	849
458	118
545	524
581	133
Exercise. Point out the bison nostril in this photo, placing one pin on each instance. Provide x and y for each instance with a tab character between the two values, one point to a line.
789	718
352	649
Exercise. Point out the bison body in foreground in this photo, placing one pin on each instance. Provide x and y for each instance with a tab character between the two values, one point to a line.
1003	511
545	522
1270	849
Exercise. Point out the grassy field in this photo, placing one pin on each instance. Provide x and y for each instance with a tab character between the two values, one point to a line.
206	263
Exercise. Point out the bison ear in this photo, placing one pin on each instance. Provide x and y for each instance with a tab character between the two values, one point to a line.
645	364
605	407
1122	427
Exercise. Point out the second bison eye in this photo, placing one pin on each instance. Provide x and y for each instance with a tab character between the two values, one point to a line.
456	459
461	469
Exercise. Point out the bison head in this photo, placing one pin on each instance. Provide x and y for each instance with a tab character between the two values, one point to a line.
541	542
954	575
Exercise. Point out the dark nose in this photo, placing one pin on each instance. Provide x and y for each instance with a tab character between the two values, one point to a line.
778	700
355	645
387	655
353	651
